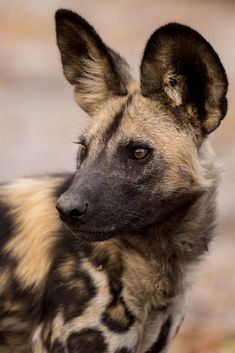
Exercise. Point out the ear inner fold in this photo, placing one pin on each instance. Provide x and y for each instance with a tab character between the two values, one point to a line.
181	68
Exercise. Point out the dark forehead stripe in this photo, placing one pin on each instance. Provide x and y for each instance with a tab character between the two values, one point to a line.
86	341
162	340
113	127
116	121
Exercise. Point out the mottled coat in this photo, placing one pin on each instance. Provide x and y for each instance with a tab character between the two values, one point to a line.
109	271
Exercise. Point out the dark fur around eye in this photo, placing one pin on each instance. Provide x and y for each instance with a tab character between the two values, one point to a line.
140	153
82	152
127	151
134	148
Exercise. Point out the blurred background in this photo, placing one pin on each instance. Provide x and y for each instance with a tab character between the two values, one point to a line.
39	121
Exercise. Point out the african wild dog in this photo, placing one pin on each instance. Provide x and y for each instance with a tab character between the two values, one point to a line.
138	213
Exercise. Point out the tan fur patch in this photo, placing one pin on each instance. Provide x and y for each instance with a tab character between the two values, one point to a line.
38	225
12	306
117	313
146	288
67	267
5	276
37	342
94	87
133	87
174	93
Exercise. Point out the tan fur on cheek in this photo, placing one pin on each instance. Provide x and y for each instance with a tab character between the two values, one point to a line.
38	226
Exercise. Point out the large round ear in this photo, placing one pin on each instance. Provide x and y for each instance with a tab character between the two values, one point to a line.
181	68
96	70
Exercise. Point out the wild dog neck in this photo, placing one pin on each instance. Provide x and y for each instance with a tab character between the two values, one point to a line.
178	241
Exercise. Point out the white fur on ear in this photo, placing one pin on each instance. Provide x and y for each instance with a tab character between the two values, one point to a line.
173	85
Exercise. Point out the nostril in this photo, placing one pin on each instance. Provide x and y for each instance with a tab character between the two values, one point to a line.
76	214
69	212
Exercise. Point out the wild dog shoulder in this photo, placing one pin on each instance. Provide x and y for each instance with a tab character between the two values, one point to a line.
29	232
29	226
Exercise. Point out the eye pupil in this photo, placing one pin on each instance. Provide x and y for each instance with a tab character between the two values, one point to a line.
140	153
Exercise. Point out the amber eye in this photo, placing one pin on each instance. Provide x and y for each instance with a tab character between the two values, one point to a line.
140	153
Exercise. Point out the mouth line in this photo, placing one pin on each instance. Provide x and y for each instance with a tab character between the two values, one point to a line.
92	235
104	234
73	227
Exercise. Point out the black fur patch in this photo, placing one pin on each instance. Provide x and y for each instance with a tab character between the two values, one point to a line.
117	316
57	347
123	350
25	298
7	224
113	266
162	340
69	287
3	337
116	121
87	341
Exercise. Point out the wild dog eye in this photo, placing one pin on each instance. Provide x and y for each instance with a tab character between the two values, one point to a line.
140	153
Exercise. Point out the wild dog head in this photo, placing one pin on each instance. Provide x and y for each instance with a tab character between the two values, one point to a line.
138	158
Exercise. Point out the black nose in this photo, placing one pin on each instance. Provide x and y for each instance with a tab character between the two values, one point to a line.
70	210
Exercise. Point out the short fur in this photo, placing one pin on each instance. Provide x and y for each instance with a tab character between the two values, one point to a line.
113	276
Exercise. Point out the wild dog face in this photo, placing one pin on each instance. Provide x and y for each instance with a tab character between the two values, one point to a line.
139	158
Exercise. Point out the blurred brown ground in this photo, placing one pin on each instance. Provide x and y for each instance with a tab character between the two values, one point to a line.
39	121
